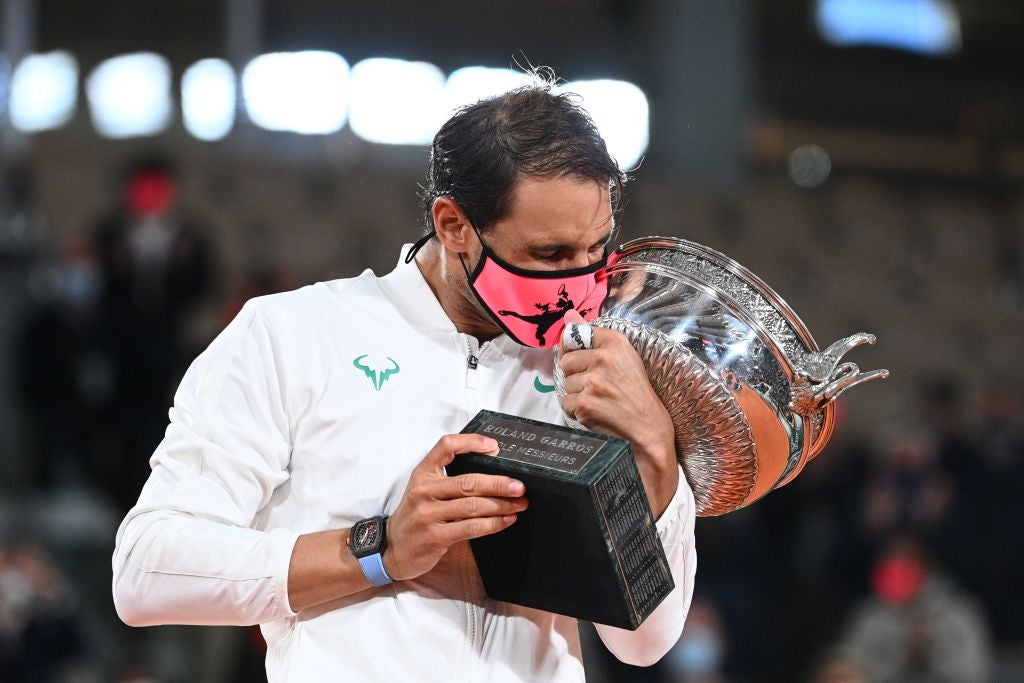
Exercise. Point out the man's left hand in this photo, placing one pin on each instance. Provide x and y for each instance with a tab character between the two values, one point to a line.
607	390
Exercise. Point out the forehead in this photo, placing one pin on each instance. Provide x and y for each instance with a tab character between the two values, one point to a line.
558	209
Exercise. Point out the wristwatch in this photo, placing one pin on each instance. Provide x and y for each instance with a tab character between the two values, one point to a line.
367	542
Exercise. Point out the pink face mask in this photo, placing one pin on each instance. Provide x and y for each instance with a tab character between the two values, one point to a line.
529	304
898	579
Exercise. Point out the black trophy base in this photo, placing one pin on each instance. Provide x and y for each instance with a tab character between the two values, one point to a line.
587	546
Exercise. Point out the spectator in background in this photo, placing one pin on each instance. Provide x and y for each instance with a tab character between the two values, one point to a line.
909	490
953	457
918	626
699	656
927	480
999	532
64	370
256	281
155	266
835	669
40	633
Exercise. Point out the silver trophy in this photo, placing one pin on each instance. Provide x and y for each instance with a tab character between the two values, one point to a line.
749	392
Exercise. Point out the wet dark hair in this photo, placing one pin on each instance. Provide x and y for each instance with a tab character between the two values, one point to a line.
479	154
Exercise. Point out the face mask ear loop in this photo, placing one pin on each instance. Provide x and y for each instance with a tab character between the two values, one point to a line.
463	262
417	245
464	268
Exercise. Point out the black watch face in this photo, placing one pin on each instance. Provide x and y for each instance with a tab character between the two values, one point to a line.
367	536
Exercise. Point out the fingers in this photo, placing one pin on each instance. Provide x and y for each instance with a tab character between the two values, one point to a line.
577	333
476	506
568	403
598	381
437	511
464	530
577	336
450	445
605	346
578	407
476	484
576	382
428	483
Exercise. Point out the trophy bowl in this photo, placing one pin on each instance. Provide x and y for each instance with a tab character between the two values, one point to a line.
749	392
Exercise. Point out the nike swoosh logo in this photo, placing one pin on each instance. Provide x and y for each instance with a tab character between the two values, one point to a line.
541	387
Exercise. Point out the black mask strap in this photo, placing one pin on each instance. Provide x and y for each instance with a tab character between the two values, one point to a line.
417	245
469	276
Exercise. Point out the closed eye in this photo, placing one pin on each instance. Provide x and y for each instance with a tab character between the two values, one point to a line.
550	255
562	252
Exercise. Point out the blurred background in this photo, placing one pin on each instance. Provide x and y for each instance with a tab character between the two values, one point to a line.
164	161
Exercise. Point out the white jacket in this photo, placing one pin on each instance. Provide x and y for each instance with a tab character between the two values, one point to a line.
308	413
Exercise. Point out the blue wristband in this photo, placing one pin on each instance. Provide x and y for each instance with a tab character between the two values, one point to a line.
373	568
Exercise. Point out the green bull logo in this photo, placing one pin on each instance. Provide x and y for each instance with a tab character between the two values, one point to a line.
376	375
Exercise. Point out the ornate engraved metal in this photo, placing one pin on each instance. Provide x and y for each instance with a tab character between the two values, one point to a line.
820	378
749	392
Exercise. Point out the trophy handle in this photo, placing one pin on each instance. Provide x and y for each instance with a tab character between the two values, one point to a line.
820	366
820	378
833	389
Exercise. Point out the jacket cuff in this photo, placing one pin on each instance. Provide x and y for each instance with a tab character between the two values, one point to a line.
678	516
282	543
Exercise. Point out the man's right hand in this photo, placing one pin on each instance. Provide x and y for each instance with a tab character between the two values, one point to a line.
438	511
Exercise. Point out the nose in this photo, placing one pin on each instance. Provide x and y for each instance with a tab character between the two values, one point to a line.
581	259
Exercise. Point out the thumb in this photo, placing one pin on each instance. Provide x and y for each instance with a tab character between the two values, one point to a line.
573	316
572	338
451	445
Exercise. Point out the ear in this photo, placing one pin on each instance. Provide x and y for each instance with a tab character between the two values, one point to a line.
451	225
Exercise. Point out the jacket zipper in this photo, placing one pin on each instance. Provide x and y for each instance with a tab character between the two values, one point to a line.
472	361
472	612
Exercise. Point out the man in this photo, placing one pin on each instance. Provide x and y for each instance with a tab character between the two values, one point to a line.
314	413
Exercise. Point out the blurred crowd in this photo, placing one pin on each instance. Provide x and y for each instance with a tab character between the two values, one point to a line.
887	561
100	352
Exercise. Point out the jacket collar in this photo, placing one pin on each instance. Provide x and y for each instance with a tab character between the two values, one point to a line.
410	294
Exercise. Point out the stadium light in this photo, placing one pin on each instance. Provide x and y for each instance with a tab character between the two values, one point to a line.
130	95
208	99
43	91
473	83
300	92
621	113
397	102
930	27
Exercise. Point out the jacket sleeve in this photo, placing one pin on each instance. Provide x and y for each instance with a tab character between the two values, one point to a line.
661	630
187	553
